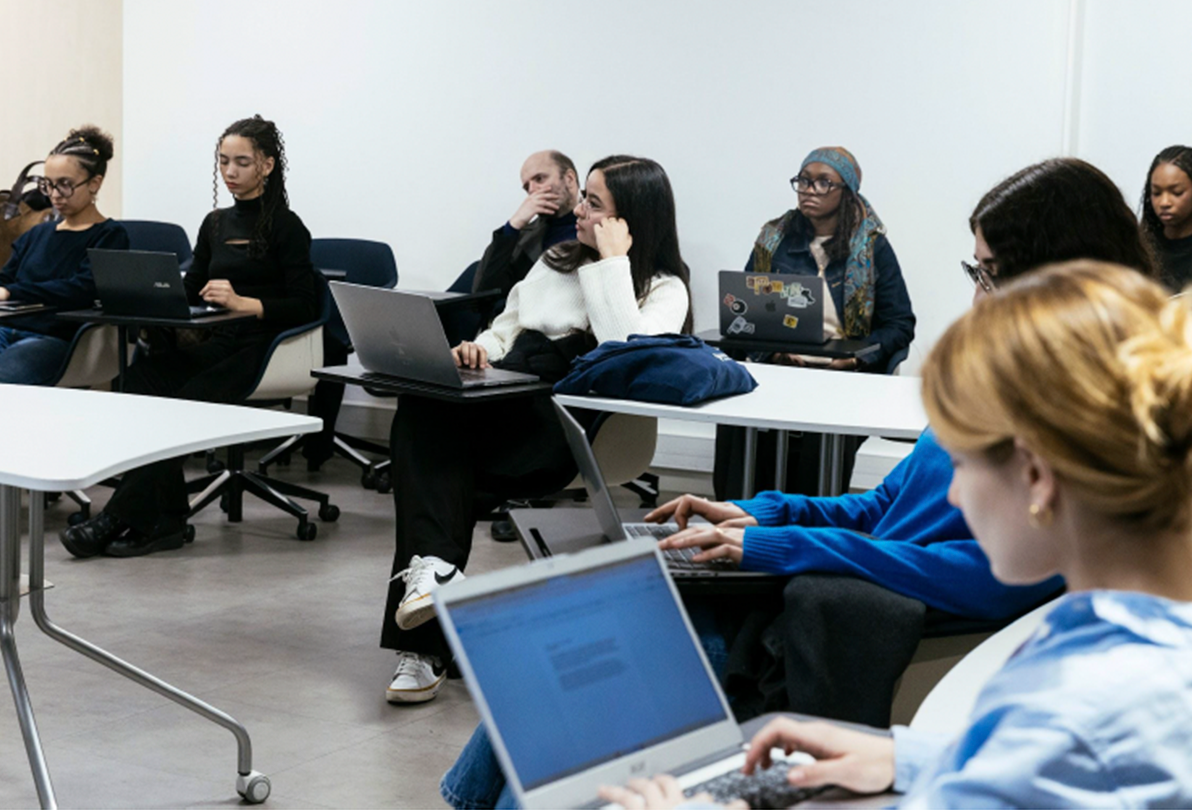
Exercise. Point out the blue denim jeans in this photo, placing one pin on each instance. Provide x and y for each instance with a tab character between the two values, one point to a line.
476	781
30	358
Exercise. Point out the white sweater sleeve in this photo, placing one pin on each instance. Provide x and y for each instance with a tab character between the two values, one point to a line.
498	339
613	309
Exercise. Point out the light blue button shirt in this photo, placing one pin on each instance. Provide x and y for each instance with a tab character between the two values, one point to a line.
1095	710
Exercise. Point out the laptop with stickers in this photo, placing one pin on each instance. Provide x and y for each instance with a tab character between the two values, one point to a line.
772	307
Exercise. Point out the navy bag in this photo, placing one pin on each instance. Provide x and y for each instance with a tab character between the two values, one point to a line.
672	369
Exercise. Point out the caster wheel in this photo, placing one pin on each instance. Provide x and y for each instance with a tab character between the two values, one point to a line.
368	480
329	512
384	485
307	531
188	534
215	466
254	787
77	517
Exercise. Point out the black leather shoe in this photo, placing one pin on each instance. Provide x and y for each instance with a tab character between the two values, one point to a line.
91	536
166	536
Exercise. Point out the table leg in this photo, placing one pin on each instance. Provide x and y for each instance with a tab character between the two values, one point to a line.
86	648
782	439
122	355
10	597
831	481
749	476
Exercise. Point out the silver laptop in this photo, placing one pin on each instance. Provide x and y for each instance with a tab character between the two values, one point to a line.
772	307
143	283
586	672
399	334
679	561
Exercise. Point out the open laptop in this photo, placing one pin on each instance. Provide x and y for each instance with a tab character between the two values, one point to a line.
772	307
142	283
679	561
399	335
586	672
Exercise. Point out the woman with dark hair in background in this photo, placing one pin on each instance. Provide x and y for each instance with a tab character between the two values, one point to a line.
253	257
49	263
623	275
834	233
1167	214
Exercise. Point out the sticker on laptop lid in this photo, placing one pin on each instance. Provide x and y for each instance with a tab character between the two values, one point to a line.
790	321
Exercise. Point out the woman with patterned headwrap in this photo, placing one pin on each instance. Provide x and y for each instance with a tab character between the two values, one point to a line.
834	233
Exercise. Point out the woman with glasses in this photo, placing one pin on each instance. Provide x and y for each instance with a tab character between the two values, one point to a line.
252	257
49	263
835	234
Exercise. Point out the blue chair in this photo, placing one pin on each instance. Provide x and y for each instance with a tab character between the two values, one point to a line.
283	375
364	262
160	237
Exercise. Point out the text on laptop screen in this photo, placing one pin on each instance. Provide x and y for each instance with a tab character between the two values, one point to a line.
584	668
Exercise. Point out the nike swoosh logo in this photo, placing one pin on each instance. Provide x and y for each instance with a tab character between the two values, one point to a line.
443	580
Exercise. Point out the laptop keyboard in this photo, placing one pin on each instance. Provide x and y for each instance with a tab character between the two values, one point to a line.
676	558
764	789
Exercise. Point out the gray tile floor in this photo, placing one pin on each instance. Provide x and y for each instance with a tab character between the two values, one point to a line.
280	633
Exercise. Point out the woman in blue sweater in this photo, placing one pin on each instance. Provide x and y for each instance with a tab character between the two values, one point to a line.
1080	470
49	263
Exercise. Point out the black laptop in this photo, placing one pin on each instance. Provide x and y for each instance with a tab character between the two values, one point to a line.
142	283
772	307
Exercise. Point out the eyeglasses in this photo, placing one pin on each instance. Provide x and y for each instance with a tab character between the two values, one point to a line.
979	276
822	185
64	187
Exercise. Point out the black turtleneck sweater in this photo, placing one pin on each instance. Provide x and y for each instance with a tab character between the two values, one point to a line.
1175	261
282	278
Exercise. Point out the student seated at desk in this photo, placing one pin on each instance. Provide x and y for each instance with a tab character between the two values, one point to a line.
1167	214
253	257
452	462
1081	469
835	234
49	263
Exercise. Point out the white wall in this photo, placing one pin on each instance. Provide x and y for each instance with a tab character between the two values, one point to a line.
408	121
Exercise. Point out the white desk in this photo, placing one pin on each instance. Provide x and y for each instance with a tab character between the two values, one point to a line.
834	403
72	440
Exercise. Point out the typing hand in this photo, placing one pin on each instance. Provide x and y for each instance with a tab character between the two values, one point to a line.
219	291
470	355
541	203
612	238
682	508
660	793
785	359
717	543
843	364
863	763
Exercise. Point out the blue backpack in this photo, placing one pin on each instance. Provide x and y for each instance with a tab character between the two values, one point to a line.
672	369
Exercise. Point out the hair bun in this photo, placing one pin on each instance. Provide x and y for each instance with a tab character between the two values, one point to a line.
1159	371
96	138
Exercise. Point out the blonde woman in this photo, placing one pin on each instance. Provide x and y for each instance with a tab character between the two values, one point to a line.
1071	440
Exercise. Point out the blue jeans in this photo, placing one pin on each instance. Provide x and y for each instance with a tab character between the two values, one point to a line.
476	781
30	358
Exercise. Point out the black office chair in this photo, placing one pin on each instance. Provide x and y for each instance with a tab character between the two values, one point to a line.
364	262
161	237
284	374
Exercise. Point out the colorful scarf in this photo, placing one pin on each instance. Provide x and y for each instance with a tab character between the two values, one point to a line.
859	273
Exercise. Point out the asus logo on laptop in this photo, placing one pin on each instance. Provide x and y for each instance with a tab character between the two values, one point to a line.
162	285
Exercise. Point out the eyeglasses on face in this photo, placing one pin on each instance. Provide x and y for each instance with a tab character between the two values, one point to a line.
819	185
65	187
979	276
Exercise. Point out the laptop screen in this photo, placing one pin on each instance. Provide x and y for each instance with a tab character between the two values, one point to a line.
583	668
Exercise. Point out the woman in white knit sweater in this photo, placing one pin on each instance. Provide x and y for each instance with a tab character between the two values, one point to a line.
452	462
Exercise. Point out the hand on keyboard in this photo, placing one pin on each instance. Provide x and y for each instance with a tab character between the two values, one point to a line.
855	760
681	509
710	543
660	793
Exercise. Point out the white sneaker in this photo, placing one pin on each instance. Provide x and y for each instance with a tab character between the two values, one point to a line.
417	678
421	578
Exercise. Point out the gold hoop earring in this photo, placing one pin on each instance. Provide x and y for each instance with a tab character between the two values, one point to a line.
1039	515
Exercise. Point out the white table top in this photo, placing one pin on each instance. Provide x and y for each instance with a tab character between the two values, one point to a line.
61	439
790	398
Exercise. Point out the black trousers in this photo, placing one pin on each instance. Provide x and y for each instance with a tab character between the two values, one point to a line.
218	370
833	646
802	462
452	463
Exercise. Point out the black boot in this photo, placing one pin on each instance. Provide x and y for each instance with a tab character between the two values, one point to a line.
91	536
167	535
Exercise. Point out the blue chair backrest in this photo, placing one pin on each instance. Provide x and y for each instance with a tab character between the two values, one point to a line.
363	261
161	237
